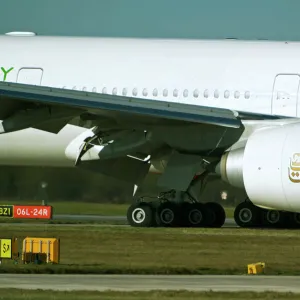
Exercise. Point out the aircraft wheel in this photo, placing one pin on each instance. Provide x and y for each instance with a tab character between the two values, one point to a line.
140	215
167	215
247	215
294	220
216	215
194	214
273	218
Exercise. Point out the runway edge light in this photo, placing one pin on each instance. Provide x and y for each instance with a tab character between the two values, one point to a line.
256	268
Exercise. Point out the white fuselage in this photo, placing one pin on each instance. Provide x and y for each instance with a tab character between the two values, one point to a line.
237	75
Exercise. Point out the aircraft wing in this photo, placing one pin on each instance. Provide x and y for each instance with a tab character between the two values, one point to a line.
127	131
34	106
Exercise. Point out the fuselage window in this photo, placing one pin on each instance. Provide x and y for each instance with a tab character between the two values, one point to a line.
104	90
226	94
84	89
196	93
165	92
206	94
145	92
124	92
247	95
155	92
94	90
237	94
115	91
216	94
185	93
135	92
175	93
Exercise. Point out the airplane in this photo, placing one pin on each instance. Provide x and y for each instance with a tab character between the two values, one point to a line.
186	109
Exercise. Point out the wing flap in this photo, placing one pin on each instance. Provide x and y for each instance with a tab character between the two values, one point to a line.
111	104
53	126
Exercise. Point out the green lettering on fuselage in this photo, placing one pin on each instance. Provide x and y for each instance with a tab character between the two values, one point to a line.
4	73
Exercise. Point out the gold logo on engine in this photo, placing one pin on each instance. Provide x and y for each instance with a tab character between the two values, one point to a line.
294	169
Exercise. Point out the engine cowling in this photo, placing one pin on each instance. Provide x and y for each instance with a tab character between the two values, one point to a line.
268	168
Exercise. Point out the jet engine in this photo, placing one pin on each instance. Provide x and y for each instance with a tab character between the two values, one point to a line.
268	167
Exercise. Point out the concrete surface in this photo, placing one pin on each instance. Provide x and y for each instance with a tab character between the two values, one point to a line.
151	282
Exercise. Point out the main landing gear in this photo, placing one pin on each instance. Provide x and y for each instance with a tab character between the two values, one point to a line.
248	215
166	212
169	213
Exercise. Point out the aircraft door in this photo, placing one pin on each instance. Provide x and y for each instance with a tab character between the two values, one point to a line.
30	76
285	95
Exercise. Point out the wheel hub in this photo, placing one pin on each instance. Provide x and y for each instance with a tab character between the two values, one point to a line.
273	216
138	215
245	215
195	216
297	218
167	215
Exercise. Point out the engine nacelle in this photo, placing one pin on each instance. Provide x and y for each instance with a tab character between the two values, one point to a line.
268	168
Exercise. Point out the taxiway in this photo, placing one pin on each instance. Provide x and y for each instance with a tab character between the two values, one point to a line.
151	282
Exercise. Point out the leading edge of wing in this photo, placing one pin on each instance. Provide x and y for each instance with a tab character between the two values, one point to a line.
92	100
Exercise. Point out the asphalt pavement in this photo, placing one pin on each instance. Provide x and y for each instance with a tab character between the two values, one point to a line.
223	283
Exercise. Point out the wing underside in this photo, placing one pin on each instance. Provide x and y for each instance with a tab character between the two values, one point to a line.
134	110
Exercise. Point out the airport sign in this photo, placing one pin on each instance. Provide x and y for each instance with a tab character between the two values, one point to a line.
26	211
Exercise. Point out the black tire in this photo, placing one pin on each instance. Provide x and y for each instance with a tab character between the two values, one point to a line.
293	220
273	218
194	214
140	215
167	215
247	215
183	206
216	215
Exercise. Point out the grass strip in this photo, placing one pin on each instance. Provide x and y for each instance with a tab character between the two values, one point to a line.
19	294
127	250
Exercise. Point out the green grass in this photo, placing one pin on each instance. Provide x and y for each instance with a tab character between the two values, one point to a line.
81	208
229	211
121	250
16	294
